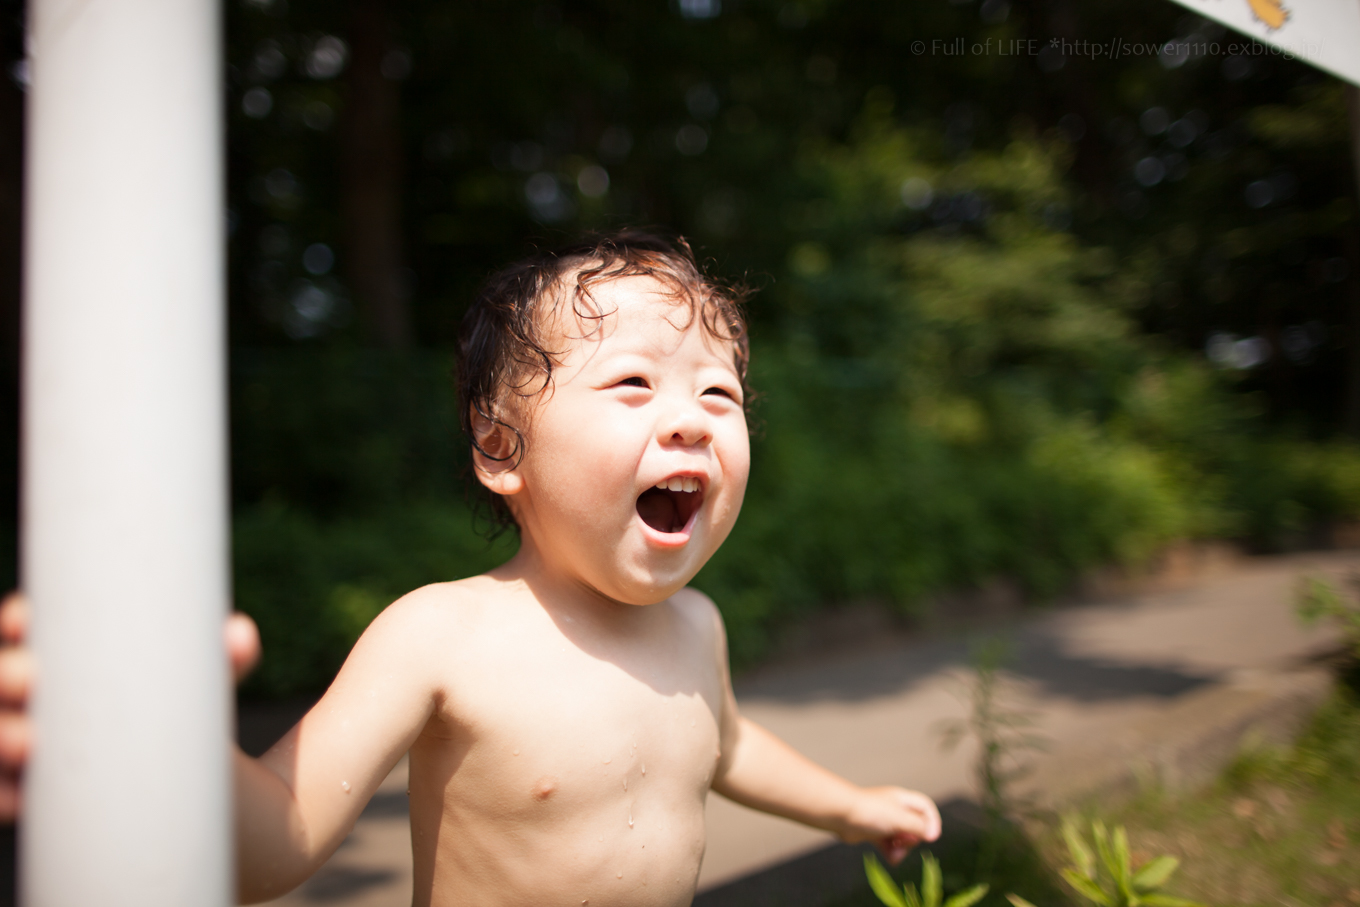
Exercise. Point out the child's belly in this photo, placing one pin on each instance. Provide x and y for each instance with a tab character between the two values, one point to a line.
572	856
578	800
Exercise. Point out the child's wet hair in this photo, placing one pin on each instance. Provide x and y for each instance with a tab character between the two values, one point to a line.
503	344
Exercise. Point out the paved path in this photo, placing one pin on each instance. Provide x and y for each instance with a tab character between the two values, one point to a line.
1162	683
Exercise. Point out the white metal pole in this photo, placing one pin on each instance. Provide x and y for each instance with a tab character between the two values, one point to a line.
124	492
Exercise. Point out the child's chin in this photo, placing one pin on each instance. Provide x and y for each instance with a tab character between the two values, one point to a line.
650	583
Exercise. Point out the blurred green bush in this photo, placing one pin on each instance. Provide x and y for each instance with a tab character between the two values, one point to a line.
946	400
347	495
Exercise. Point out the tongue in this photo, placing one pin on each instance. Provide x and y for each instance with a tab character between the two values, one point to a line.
660	510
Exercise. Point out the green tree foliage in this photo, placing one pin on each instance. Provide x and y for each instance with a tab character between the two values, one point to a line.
988	282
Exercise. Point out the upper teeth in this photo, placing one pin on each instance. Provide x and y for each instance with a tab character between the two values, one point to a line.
679	483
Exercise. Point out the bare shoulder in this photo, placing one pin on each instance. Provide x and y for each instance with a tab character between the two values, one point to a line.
435	615
698	609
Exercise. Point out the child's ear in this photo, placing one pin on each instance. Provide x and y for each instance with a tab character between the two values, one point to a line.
496	455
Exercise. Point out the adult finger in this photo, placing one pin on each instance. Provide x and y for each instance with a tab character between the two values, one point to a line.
14	618
243	644
9	798
15	736
16	675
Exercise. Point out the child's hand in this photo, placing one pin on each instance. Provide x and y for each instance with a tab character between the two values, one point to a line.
16	680
894	819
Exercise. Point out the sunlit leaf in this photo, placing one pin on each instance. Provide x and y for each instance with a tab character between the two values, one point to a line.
1155	873
1087	888
1081	854
931	884
1119	848
1018	901
882	884
967	897
1106	853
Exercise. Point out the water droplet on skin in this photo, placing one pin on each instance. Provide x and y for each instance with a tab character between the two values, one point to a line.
644	768
619	875
610	759
344	786
514	752
630	820
625	784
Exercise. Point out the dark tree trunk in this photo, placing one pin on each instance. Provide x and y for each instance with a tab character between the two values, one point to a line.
11	245
1076	91
371	171
1351	412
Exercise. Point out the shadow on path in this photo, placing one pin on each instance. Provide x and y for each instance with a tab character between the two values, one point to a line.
1037	653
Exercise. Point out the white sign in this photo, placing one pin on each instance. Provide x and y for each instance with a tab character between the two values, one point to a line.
1323	33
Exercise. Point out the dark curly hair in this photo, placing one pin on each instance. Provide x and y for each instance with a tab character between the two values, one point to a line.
503	341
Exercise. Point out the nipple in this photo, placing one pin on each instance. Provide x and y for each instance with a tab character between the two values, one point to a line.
344	786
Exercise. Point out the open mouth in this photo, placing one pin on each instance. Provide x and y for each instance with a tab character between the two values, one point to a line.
668	507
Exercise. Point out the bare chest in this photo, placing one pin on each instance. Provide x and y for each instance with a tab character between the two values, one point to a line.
555	729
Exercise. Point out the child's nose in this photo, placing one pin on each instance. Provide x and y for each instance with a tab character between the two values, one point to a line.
686	425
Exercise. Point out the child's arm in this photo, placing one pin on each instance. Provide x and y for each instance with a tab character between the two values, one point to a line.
759	770
297	802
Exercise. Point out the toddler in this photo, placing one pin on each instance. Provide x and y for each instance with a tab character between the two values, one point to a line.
567	713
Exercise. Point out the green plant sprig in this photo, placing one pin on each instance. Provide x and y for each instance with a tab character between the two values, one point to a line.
932	886
1104	874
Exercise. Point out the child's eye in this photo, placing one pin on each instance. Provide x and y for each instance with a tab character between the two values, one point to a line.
635	381
720	392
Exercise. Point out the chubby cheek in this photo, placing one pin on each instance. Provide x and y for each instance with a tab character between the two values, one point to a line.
595	485
736	470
